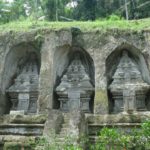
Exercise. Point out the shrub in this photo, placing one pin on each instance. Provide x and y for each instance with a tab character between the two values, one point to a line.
112	139
114	17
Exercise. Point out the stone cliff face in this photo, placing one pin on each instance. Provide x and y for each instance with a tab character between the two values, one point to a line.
100	52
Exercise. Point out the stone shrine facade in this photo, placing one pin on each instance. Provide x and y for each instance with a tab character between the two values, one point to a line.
128	88
110	75
75	89
24	92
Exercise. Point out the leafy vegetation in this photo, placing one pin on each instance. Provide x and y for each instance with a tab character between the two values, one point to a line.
108	139
113	138
52	142
67	10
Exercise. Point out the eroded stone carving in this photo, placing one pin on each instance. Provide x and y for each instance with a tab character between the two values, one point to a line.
128	88
75	89
24	92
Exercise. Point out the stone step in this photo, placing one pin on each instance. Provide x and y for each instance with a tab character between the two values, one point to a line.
63	132
66	116
17	146
66	120
22	125
115	124
93	138
21	129
60	139
65	125
17	138
64	129
39	148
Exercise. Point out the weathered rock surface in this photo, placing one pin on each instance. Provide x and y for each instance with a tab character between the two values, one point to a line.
101	51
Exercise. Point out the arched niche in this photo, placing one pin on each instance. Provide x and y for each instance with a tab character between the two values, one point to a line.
64	57
113	61
19	60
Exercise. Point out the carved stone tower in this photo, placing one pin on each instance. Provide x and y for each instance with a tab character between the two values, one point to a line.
24	92
75	89
128	88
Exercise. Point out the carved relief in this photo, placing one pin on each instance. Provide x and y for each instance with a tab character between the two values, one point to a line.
75	89
24	92
128	88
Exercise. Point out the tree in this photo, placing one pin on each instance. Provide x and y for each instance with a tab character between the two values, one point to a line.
12	11
86	10
53	9
126	9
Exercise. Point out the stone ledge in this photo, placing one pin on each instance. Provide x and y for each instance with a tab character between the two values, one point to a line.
115	124
14	138
22	125
22	129
23	119
117	118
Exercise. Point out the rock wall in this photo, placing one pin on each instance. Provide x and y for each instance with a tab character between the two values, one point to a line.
53	49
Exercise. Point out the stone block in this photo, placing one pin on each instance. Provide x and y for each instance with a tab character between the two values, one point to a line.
17	112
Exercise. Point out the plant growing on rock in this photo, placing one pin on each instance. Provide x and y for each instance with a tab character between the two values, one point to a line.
112	139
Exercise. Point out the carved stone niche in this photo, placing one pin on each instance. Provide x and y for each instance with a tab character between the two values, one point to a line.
128	88
24	92
75	89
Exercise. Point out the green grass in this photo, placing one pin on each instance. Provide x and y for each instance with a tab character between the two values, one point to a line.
84	26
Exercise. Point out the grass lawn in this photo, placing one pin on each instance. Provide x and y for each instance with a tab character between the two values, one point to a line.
84	26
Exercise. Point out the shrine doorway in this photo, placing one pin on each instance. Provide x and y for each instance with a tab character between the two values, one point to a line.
74	65
112	63
16	59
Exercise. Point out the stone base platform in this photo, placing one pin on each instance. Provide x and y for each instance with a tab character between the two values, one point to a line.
20	131
120	121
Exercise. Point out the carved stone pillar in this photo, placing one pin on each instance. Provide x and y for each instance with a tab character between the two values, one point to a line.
129	100
23	101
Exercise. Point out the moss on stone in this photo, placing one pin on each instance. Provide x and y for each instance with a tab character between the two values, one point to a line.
101	96
28	119
101	101
119	118
23	119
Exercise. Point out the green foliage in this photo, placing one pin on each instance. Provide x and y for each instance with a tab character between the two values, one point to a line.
12	11
146	128
52	143
54	10
16	146
86	10
29	24
114	17
112	138
108	139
